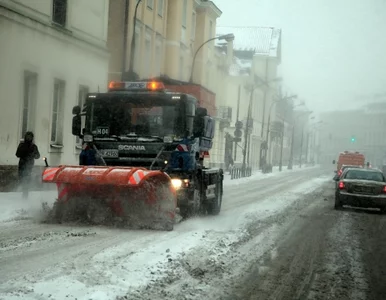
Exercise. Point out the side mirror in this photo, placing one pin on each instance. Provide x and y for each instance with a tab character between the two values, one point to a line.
76	125
199	123
336	178
333	162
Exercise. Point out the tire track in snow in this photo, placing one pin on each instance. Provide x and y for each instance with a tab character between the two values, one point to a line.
49	254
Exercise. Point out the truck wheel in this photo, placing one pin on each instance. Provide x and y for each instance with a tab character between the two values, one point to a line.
214	207
194	207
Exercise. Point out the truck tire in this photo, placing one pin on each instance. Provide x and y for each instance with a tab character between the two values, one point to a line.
214	207
194	206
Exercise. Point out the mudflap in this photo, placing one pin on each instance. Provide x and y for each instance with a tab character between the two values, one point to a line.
214	206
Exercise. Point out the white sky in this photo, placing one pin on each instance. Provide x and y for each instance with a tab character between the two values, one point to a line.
333	51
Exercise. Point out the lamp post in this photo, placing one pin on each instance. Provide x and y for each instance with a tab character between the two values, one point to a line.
125	30
281	143
246	131
290	163
132	46
228	37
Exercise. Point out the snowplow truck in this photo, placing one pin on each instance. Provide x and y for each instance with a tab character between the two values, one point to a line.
142	159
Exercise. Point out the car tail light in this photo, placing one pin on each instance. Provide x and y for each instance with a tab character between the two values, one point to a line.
341	185
384	189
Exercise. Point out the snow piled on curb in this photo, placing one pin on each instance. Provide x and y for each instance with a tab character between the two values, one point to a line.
258	175
13	207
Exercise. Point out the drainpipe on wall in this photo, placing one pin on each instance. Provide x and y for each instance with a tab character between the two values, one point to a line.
132	74
125	31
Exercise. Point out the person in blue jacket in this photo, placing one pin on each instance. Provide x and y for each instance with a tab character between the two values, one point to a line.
88	155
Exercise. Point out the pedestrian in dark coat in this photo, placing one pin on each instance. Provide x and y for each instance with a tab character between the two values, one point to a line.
27	152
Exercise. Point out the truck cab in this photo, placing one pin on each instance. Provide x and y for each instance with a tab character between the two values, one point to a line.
141	124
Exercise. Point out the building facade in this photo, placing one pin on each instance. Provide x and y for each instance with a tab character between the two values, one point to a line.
254	72
167	34
354	130
52	53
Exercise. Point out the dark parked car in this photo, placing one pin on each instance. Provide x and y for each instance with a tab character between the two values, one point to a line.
361	188
340	172
343	168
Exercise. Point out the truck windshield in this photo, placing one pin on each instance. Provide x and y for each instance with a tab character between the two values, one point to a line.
123	118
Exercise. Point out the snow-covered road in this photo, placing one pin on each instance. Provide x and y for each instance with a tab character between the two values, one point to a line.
42	261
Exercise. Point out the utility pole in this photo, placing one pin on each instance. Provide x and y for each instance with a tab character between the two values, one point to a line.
237	119
281	147
291	159
132	75
246	132
307	146
301	148
125	33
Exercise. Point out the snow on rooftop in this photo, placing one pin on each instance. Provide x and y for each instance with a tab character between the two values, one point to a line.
260	40
240	67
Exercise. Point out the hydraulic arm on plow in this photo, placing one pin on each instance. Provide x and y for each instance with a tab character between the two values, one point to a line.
142	158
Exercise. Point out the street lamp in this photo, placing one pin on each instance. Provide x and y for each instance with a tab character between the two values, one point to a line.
227	37
290	163
132	46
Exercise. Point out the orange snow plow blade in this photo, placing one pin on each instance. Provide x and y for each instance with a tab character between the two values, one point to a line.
134	196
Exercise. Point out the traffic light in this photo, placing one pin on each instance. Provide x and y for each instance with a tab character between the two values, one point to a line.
353	139
238	133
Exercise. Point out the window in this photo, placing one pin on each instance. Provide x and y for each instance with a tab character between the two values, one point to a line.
150	4
82	94
57	113
147	71
59	12
158	58
181	68
29	102
184	12
137	61
193	29
160	8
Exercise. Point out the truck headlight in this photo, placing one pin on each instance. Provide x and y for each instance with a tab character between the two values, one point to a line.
88	138
177	183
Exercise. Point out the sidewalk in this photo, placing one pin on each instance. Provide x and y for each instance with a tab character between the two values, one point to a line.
258	175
